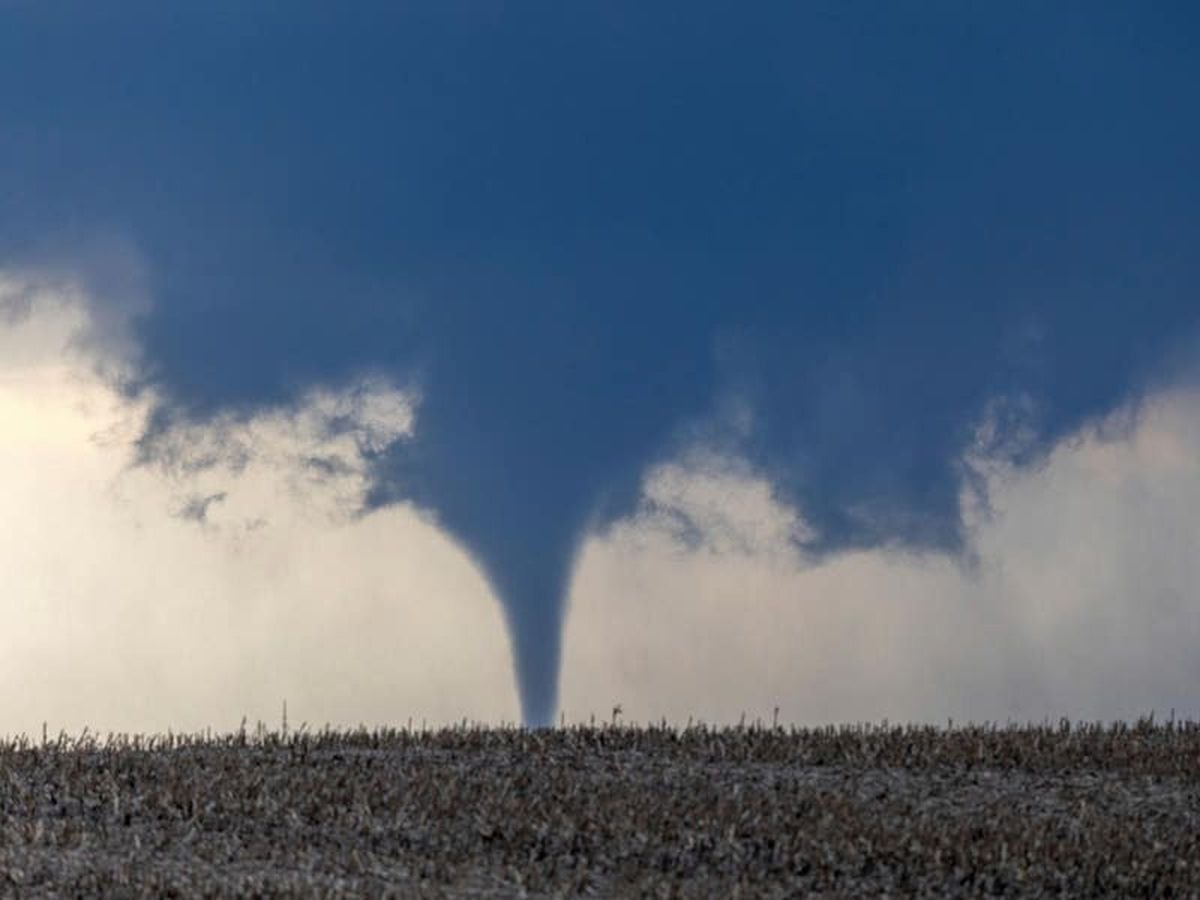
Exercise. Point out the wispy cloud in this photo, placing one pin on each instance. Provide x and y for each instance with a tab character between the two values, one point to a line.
1081	601
122	613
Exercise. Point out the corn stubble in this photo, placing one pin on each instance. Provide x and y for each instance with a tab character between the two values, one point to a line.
472	811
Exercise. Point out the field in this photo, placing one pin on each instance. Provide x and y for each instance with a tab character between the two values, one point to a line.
1069	810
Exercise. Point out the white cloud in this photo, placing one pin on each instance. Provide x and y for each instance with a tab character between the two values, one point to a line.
125	608
1084	601
235	573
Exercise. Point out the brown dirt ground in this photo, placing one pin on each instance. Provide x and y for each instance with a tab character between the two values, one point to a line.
1068	810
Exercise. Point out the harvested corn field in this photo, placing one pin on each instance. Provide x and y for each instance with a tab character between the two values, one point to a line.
1064	810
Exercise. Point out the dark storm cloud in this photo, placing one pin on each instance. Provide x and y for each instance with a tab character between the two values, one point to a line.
577	226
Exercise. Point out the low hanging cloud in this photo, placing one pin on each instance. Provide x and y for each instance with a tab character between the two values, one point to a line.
1080	599
574	268
234	567
233	573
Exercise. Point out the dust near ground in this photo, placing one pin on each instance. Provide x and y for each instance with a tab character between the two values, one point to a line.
1054	810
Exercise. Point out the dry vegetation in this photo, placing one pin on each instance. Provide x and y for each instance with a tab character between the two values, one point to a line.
1048	810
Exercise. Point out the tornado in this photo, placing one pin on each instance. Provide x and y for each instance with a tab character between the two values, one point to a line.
895	241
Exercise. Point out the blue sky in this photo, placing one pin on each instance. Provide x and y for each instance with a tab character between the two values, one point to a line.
833	240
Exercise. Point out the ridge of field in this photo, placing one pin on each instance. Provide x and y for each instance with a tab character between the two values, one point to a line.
1031	810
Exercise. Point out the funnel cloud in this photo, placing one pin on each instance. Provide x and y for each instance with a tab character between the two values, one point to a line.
838	244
